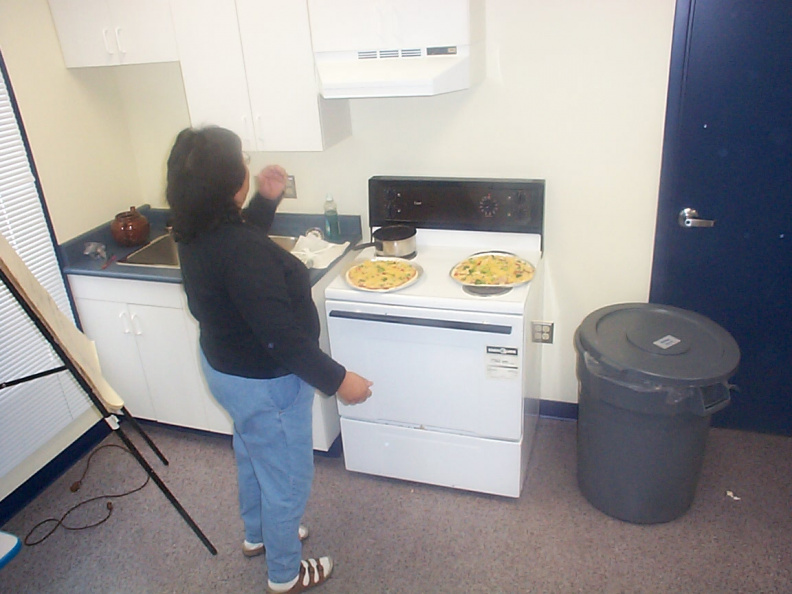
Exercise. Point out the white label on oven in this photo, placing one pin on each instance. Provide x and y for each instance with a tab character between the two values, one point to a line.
503	362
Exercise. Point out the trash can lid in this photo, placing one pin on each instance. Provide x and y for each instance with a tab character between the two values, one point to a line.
659	343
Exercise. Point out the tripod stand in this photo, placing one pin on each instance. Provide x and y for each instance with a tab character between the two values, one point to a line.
78	356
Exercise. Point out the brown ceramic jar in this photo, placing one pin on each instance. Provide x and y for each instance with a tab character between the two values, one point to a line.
130	228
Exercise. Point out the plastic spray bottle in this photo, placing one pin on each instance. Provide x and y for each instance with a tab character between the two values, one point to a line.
332	231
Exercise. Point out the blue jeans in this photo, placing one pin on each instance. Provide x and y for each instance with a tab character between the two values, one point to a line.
273	445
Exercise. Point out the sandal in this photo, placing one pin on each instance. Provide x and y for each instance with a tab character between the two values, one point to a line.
250	549
312	573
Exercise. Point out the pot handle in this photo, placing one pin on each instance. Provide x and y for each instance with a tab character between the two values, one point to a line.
360	246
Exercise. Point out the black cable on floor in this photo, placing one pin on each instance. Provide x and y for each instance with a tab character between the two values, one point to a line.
74	488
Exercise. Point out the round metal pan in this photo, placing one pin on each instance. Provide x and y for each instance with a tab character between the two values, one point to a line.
522	261
413	280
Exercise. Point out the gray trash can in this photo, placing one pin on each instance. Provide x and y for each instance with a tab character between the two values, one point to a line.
650	377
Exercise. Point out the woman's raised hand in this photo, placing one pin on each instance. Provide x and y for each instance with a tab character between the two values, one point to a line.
272	181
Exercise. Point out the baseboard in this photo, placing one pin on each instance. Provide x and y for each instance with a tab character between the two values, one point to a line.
27	491
334	451
567	411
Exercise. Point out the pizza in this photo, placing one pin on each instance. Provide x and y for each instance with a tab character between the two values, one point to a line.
381	274
493	269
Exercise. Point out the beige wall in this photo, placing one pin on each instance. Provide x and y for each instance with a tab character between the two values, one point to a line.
575	94
74	119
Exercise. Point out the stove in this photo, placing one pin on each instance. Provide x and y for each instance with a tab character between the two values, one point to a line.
456	374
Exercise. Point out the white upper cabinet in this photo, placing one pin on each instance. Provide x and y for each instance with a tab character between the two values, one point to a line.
248	65
212	66
113	32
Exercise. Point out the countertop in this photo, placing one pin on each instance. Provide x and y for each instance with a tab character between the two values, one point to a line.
76	262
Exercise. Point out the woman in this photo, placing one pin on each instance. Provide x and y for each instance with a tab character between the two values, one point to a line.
259	341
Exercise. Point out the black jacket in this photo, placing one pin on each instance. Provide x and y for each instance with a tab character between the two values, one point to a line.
252	300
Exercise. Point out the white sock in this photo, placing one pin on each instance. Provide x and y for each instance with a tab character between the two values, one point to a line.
310	565
284	587
302	532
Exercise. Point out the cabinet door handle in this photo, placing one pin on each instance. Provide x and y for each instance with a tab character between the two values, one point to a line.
136	325
108	49
118	40
125	322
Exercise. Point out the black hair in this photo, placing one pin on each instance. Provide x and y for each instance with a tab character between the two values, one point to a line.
205	171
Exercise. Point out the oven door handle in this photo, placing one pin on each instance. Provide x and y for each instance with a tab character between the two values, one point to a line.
426	322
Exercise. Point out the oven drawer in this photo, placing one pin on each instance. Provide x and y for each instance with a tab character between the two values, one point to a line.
490	466
440	370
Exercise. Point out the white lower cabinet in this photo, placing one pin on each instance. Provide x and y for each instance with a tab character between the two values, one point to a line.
148	349
147	342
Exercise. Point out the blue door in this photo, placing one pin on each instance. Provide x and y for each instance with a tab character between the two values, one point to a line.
723	243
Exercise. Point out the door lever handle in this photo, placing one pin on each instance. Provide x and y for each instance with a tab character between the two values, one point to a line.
689	217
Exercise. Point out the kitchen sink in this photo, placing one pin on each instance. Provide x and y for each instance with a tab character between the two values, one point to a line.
162	252
285	241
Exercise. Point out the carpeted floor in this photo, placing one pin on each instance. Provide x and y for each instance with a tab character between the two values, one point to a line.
392	536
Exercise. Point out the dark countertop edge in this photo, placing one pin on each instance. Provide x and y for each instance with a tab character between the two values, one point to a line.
75	262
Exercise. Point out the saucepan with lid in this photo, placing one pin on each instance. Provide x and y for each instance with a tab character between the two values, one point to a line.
392	241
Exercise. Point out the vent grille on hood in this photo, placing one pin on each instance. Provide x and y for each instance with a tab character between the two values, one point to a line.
394	53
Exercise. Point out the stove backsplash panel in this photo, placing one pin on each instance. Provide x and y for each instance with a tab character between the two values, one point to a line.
465	204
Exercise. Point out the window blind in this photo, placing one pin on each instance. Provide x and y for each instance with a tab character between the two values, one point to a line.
34	412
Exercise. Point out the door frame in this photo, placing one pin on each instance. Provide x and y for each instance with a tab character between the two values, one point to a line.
683	21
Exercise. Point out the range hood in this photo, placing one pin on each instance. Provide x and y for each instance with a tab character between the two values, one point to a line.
396	48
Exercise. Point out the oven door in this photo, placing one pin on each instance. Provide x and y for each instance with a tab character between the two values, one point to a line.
438	370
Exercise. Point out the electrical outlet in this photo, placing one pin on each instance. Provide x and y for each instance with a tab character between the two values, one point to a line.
542	332
290	191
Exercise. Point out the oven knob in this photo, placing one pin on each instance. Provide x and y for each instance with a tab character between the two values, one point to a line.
522	209
394	210
394	204
488	206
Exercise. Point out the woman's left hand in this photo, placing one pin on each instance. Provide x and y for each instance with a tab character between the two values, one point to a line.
272	181
354	389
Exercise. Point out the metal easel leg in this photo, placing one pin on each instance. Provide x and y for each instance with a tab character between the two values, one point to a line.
175	502
128	416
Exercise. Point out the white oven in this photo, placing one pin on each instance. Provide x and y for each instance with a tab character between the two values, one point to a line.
456	374
435	370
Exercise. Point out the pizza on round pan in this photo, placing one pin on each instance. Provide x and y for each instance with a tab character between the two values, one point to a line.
493	269
382	274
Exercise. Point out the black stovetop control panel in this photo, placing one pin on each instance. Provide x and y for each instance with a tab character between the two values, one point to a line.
465	204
